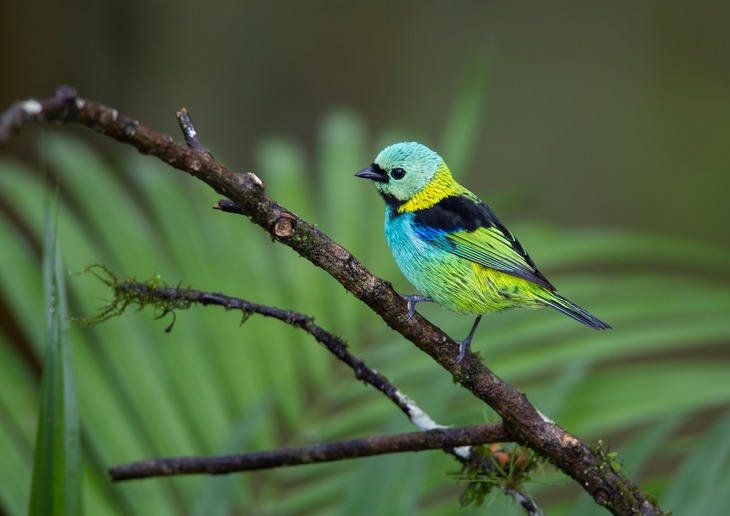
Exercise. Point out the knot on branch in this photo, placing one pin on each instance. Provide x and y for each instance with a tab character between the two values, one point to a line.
65	97
129	131
285	225
256	180
600	495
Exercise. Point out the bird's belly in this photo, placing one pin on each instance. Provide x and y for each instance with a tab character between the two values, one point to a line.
455	283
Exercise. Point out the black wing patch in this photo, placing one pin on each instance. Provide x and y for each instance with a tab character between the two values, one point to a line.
456	213
469	228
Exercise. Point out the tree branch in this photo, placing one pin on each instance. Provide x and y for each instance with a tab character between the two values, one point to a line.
169	299
441	438
590	467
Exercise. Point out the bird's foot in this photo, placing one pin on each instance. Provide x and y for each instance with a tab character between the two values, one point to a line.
412	300
463	346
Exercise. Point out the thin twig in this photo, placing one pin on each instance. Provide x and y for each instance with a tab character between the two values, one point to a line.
355	448
334	344
189	132
590	467
526	502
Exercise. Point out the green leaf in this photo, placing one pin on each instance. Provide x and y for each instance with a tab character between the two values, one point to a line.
702	485
462	128
56	488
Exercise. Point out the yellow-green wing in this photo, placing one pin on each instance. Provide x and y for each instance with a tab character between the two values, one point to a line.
468	228
493	248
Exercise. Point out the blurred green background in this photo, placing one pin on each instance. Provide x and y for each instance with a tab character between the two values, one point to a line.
598	133
627	100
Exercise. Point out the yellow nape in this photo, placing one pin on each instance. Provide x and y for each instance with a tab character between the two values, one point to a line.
442	185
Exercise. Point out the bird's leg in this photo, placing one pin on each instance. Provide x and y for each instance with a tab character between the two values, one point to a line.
464	344
412	300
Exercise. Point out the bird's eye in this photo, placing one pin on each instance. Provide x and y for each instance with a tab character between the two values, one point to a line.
398	173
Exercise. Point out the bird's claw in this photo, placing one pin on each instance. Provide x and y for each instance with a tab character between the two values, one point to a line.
463	346
412	300
411	309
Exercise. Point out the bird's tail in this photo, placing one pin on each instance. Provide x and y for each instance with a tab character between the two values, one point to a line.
570	309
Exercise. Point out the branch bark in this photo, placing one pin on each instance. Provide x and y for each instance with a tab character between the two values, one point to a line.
588	466
442	438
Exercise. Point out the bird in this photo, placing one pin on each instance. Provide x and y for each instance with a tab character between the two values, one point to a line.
452	247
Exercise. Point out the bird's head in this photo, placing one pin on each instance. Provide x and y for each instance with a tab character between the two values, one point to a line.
402	170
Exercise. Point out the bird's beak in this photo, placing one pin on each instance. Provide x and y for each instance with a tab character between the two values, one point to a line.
373	172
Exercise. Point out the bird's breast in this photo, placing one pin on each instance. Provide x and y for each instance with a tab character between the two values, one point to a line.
405	244
418	259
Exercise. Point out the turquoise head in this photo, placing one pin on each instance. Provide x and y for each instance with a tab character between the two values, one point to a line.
402	170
